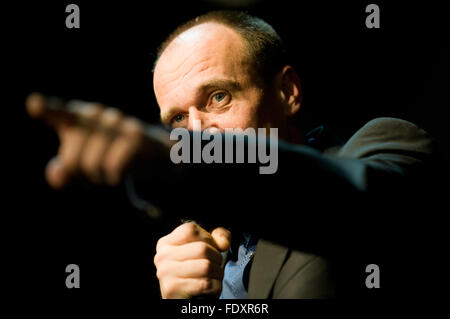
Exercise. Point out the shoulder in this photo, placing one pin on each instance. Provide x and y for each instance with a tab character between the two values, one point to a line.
387	135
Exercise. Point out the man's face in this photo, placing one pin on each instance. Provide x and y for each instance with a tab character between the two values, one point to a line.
204	74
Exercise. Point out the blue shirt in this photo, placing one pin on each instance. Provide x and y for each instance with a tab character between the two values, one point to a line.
237	269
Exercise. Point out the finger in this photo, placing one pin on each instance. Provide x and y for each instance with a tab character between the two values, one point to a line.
98	143
194	250
50	110
123	150
60	169
56	113
72	140
192	268
56	174
35	105
184	288
222	238
186	233
74	137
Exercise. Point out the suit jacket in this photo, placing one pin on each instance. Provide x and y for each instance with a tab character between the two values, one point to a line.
279	271
313	212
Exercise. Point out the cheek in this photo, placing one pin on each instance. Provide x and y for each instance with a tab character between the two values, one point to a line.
245	112
242	115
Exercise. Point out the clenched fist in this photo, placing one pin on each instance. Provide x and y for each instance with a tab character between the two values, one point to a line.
189	261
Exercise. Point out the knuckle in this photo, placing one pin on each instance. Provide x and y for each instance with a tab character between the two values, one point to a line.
132	127
162	254
161	270
189	230
111	116
85	109
208	285
205	284
160	243
201	249
157	259
169	287
205	266
159	273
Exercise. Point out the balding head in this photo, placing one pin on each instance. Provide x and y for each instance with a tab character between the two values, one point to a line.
208	73
263	45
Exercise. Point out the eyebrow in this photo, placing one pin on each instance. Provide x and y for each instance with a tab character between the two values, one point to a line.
226	84
230	85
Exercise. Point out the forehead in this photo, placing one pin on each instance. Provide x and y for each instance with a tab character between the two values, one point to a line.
204	52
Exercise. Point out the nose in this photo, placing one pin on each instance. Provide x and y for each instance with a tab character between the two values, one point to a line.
199	120
195	119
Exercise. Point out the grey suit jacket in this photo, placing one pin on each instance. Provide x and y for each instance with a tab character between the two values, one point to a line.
379	154
281	272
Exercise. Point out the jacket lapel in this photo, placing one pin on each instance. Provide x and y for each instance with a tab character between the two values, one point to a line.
269	258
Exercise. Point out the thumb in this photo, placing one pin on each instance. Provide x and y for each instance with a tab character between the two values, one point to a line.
222	238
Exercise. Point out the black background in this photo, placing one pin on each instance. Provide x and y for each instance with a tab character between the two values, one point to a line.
350	74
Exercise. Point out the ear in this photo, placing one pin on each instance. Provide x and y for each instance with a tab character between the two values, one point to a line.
289	87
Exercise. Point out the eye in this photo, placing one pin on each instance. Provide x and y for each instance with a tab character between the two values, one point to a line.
219	97
178	118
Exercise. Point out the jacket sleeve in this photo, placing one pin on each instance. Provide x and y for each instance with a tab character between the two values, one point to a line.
315	201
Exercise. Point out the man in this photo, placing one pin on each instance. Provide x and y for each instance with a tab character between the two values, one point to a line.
229	70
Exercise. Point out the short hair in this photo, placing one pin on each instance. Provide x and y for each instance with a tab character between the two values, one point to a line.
264	46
